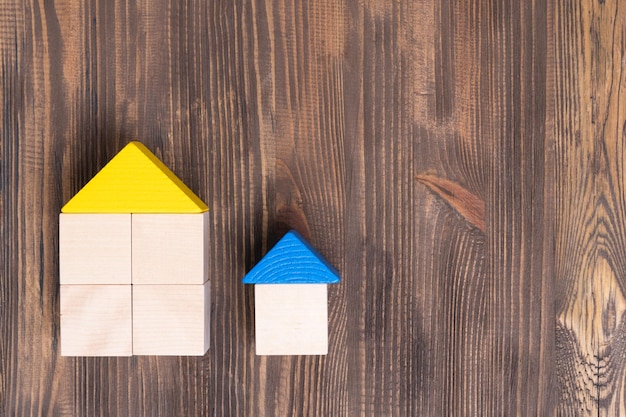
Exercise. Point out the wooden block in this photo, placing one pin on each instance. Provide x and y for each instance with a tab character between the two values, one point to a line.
170	248
135	181
291	319
292	261
95	248
96	320
171	319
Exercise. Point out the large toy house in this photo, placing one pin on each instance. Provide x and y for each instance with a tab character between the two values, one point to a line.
133	263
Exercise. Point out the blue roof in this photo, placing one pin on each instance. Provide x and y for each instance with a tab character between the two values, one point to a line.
292	261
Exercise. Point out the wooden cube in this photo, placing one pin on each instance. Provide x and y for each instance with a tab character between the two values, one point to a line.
96	320
171	319
95	248
170	248
291	319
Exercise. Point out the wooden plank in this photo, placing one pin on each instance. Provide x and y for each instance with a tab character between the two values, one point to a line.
171	319
302	56
135	181
96	320
514	148
170	248
588	125
291	319
94	248
476	305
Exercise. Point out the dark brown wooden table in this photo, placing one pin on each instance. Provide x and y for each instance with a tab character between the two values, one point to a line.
461	163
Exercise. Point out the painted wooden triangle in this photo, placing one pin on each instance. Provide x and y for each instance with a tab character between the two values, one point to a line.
292	261
135	181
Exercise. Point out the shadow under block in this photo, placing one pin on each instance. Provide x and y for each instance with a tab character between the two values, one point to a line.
170	248
95	248
291	319
171	319
96	320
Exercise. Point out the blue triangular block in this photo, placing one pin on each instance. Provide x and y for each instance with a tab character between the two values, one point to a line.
292	261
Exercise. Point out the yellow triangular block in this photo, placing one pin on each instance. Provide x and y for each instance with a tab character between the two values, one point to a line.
135	181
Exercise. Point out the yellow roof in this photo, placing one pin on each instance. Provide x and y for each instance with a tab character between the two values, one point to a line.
135	181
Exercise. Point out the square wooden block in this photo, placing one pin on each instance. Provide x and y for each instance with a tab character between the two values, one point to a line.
291	319
96	320
171	319
95	248
170	248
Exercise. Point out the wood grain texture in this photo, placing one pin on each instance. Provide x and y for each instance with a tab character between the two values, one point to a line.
291	319
319	117
95	248
292	261
465	203
589	127
170	248
171	319
96	320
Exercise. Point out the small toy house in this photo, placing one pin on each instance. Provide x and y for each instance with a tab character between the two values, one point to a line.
133	263
290	297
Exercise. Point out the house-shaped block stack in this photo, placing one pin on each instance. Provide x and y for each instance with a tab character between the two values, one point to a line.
290	298
133	263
